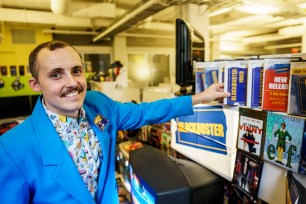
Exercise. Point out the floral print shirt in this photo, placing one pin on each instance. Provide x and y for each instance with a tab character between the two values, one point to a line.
82	145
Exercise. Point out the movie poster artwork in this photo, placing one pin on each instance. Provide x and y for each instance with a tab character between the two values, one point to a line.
247	174
284	138
251	131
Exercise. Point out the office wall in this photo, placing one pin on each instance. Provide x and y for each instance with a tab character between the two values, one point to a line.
17	54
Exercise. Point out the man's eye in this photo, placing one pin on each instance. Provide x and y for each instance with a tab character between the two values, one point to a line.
77	71
55	75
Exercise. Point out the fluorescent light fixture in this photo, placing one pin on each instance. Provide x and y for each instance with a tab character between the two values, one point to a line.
272	47
219	11
286	22
257	8
294	31
265	38
302	5
230	46
237	35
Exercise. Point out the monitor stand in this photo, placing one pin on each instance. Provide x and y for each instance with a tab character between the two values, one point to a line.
185	90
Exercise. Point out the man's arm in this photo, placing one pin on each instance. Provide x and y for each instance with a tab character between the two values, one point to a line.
287	134
276	132
215	91
132	116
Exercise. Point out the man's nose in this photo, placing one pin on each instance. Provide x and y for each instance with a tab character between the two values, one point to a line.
71	80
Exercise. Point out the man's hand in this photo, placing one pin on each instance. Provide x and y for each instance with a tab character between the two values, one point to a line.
213	92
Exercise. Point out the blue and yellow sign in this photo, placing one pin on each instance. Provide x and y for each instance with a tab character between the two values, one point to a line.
205	129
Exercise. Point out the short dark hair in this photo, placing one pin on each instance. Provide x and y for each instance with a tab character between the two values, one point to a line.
50	45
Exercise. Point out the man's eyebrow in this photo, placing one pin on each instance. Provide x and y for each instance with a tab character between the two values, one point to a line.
78	66
55	70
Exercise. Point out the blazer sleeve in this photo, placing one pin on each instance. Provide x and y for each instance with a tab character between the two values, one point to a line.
132	116
15	188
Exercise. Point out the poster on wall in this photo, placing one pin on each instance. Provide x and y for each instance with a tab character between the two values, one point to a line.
3	70
13	70
208	137
21	70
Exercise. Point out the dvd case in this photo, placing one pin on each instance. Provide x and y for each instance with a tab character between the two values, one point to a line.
251	131
284	136
297	89
247	174
275	84
235	82
254	84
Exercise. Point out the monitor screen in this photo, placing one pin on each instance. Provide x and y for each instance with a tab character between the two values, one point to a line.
155	178
140	191
190	47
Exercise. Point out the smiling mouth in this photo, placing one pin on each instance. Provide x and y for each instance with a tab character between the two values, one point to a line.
71	94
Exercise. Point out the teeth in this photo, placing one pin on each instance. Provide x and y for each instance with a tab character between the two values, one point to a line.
72	94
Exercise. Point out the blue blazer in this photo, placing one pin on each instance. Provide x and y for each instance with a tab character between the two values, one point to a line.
35	166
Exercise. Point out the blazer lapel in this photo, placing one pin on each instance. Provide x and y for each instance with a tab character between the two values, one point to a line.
104	139
54	154
69	178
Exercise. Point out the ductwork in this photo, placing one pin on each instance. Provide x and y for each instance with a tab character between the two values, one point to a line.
59	7
138	13
68	13
42	17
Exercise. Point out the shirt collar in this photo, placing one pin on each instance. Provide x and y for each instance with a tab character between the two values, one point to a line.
65	119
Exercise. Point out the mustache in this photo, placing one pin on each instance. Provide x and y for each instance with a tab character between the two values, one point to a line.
78	88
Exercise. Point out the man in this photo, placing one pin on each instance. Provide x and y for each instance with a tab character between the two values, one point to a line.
120	74
249	140
116	66
65	151
281	134
245	173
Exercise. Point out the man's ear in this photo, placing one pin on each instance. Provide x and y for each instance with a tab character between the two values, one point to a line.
34	84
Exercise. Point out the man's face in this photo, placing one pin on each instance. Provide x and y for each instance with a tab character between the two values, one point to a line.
117	69
61	79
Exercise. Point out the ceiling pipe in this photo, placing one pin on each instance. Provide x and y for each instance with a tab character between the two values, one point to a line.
59	7
69	32
137	35
272	47
42	17
127	17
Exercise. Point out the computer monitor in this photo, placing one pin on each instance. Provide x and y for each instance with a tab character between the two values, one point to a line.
190	48
157	178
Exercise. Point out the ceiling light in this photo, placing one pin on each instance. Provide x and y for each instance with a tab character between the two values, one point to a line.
293	31
230	46
302	5
237	35
257	8
219	11
286	22
273	47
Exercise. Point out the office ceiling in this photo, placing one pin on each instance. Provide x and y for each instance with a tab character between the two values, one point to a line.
258	24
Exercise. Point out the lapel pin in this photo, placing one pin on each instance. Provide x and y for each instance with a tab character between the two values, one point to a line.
100	122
